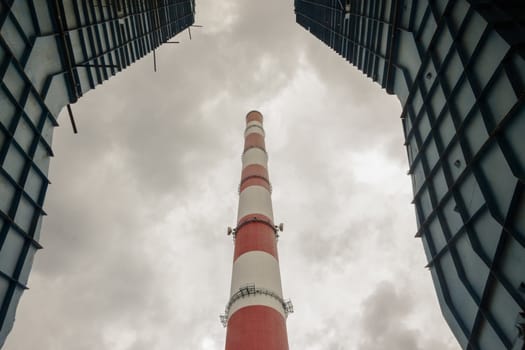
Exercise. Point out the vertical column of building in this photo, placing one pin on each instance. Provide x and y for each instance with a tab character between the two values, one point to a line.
256	312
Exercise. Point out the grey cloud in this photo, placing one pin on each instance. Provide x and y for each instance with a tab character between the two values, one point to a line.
384	321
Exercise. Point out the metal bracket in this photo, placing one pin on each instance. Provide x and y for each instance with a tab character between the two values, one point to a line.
231	231
250	289
520	324
276	228
72	119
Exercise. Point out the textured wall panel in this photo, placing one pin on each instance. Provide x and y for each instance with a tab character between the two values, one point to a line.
458	69
51	53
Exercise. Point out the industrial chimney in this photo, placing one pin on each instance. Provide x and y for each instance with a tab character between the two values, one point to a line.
255	315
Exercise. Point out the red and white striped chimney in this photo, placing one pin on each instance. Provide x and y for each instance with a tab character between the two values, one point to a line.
256	312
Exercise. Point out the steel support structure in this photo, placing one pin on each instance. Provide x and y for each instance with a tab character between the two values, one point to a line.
51	53
458	69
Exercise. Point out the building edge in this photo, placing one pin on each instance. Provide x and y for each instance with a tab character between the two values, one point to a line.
458	69
51	54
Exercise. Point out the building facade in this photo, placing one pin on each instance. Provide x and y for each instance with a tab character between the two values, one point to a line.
458	68
51	53
256	313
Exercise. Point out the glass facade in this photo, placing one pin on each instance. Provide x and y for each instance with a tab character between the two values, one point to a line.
51	53
458	68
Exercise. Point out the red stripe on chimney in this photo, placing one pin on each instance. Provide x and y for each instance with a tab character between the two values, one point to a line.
255	181
255	236
254	115
256	327
254	170
254	174
254	140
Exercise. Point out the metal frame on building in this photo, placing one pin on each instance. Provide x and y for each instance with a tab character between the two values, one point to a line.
51	53
458	69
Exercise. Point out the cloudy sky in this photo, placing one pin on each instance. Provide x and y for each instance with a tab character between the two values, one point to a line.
136	254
